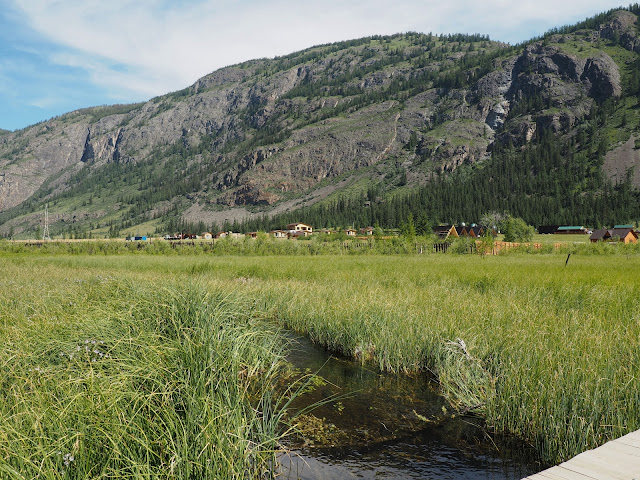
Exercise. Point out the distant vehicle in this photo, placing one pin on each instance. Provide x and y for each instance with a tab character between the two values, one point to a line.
139	238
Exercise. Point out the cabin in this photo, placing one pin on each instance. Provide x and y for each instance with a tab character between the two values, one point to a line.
572	230
475	231
367	231
446	231
279	233
251	234
220	235
326	231
206	235
350	232
624	235
298	229
547	229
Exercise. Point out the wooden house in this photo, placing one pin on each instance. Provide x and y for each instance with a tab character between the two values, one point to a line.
475	231
367	231
624	235
572	230
206	235
446	231
350	232
251	234
297	229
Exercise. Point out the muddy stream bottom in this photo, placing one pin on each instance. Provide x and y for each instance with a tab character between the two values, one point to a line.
375	425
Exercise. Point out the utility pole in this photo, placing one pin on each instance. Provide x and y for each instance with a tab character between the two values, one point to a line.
45	235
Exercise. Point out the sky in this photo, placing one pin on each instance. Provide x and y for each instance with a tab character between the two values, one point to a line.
60	55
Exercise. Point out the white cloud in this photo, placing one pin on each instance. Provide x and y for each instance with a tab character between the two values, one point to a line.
149	47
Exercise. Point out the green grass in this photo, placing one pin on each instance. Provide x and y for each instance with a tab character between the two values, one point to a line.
108	377
545	351
550	351
560	238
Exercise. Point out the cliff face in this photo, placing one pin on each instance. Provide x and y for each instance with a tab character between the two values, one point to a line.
269	131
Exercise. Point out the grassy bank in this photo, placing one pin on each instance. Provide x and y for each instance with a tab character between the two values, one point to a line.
546	351
106	376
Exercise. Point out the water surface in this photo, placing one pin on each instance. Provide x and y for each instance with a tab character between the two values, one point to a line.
386	426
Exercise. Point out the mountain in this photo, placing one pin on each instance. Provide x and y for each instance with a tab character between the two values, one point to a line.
383	121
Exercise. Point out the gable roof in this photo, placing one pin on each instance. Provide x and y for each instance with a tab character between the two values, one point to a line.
622	232
443	231
606	233
599	234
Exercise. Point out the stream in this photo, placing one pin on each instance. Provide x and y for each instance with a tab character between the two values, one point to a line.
375	425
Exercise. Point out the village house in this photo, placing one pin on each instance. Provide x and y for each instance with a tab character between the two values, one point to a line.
624	235
350	232
299	229
206	235
279	233
474	231
367	231
572	229
444	232
627	226
251	234
220	235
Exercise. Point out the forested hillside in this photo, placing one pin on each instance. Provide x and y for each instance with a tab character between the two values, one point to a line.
362	132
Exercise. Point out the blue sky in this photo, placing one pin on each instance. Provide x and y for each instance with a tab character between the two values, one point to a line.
60	55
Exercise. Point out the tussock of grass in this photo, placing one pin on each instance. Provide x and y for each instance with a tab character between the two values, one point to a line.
115	379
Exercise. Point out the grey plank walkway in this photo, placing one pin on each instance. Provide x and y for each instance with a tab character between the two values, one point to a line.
615	460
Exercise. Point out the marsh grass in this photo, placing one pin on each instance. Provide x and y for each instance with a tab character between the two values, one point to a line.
551	352
107	377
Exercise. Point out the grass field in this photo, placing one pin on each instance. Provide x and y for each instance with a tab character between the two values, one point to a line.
546	351
111	376
560	238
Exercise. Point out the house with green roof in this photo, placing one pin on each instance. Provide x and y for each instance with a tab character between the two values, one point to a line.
572	229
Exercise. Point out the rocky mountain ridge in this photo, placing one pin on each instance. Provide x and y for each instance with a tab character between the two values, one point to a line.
252	138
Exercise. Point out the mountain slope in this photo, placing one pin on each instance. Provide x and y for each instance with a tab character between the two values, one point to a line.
383	114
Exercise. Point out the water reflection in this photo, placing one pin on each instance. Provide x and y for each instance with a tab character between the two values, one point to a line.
392	427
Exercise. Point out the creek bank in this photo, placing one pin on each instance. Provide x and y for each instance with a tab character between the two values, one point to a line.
371	424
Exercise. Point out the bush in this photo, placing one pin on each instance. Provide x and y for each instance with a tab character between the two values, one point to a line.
517	230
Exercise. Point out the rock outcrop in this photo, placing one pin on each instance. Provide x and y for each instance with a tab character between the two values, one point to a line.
267	131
